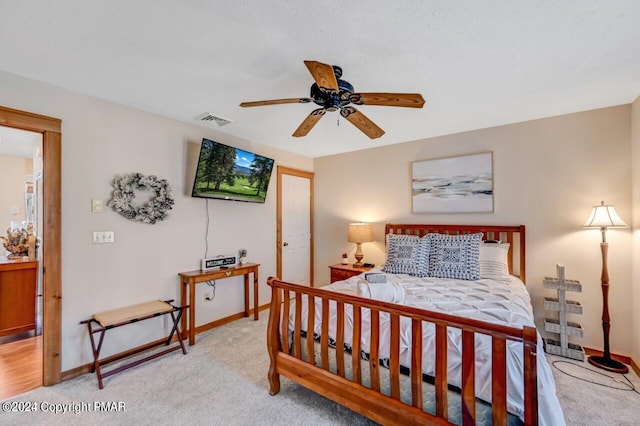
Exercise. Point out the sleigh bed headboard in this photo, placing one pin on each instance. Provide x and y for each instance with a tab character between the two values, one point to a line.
514	235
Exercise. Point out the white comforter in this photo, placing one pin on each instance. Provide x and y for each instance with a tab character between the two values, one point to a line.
505	303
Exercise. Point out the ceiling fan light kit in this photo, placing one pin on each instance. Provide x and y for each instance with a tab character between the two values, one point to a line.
332	93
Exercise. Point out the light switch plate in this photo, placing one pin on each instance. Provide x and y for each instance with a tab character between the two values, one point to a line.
103	237
96	206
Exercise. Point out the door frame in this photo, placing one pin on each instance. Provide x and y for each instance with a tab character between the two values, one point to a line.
51	254
306	175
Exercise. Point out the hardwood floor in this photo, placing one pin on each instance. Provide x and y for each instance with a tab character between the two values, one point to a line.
20	366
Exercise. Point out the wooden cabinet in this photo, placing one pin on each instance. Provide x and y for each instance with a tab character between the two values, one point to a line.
341	272
18	283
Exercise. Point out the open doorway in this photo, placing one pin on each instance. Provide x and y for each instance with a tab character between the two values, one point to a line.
20	261
21	214
50	249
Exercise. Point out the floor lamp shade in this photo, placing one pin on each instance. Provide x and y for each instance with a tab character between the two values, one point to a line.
603	217
360	233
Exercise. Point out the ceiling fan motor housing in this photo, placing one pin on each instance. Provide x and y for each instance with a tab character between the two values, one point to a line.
329	99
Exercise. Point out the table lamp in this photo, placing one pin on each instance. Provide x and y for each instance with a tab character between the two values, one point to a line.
360	233
603	217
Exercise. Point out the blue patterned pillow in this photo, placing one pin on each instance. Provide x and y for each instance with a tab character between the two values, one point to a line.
455	256
407	254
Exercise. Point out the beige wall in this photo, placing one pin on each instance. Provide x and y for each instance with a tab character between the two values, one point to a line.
101	140
635	187
13	175
548	174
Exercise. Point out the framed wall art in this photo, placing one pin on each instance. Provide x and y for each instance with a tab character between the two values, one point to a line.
462	184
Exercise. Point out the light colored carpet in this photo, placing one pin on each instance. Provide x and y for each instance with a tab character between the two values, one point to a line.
591	404
222	381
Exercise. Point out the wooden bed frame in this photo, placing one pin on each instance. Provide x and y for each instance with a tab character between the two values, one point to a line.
287	359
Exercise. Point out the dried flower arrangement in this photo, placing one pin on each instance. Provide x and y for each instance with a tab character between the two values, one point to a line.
17	242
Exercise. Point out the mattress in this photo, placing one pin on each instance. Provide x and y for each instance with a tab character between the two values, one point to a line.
502	302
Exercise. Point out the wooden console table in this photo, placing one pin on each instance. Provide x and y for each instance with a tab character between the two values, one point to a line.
188	281
18	285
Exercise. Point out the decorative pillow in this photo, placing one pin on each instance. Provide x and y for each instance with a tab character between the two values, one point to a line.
494	263
407	254
455	256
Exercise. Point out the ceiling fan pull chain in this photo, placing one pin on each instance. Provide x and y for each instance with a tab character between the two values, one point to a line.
338	121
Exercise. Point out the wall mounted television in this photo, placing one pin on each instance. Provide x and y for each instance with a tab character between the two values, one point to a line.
229	173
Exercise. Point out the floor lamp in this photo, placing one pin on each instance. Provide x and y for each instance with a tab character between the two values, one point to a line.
603	217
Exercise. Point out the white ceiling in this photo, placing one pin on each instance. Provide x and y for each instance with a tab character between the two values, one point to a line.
477	63
18	143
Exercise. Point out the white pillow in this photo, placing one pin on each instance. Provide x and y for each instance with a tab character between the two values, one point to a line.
494	264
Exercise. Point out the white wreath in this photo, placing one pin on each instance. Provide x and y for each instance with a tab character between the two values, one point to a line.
123	195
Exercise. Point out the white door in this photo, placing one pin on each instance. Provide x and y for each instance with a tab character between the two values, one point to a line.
296	238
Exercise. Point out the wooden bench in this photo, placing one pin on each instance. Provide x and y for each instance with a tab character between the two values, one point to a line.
108	320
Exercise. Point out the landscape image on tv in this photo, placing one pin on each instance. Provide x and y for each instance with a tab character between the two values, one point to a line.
229	173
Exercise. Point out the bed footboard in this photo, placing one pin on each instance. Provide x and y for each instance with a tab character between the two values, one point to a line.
288	357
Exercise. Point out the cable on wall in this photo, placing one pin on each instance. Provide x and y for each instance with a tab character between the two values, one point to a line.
212	284
206	233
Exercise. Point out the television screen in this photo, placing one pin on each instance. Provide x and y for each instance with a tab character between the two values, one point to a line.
229	173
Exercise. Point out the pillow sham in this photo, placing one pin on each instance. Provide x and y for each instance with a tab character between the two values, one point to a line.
494	263
407	254
455	256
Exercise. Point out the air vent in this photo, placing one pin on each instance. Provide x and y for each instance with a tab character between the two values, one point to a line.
208	117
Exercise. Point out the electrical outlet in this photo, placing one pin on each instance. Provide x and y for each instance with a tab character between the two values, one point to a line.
208	296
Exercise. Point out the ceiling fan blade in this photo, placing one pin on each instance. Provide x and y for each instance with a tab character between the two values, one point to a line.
362	122
309	122
323	74
277	102
409	100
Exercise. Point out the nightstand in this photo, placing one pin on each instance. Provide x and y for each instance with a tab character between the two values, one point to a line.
341	272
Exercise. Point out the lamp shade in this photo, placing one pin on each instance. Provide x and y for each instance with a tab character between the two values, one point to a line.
604	216
360	232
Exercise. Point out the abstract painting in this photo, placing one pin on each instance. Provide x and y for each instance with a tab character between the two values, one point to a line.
462	184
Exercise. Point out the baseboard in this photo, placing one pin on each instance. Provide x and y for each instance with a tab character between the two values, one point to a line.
635	366
225	320
86	368
75	372
620	358
216	323
83	369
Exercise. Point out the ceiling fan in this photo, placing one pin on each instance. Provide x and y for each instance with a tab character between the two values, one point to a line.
332	94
